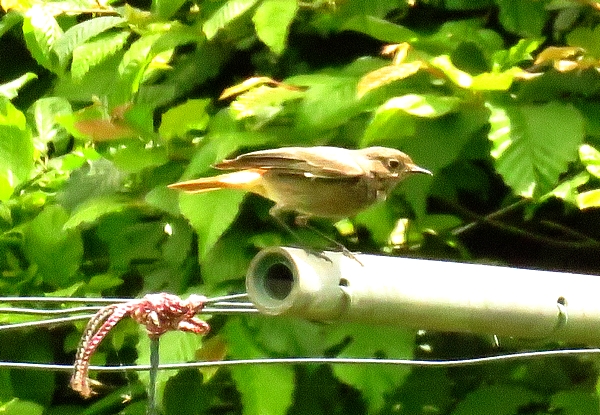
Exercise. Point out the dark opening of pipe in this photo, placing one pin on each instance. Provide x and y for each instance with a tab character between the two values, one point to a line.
279	280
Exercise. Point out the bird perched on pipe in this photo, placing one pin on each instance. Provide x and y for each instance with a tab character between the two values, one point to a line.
327	182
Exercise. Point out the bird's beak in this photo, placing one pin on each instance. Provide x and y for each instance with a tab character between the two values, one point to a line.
416	169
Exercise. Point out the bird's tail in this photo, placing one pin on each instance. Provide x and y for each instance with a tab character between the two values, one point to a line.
248	180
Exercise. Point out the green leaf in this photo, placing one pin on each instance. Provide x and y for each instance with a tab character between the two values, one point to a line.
92	209
16	149
136	156
396	117
533	144
265	389
234	246
162	198
492	81
505	59
165	9
589	199
272	21
329	102
568	191
586	38
263	104
575	402
177	121
79	34
10	89
175	347
425	106
92	53
18	406
375	382
224	15
210	214
460	78
41	32
10	20
131	240
137	58
524	18
380	29
495	399
56	251
45	111
590	157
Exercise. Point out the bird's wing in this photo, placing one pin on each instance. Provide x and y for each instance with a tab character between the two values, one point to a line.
329	162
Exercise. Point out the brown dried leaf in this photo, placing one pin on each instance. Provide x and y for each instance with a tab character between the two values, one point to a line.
104	130
247	85
555	53
386	75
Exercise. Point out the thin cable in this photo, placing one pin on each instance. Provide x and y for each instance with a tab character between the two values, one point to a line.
314	360
226	304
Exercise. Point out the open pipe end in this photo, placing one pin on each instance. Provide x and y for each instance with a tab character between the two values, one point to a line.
290	281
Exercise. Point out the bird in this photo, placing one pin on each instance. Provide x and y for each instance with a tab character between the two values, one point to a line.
323	181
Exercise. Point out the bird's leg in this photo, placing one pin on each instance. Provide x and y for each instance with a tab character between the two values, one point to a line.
277	212
302	220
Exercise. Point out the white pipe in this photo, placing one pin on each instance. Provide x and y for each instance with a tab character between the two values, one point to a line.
425	294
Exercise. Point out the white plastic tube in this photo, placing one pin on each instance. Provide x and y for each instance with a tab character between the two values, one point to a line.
425	294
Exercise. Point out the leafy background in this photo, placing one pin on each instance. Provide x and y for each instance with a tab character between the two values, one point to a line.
102	104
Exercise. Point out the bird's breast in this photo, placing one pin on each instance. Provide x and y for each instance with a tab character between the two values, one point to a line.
318	196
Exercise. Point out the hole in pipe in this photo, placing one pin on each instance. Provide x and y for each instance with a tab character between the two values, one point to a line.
279	281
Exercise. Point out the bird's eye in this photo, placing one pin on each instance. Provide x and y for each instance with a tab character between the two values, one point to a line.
393	164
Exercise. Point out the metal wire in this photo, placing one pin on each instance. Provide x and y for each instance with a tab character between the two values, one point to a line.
226	304
313	360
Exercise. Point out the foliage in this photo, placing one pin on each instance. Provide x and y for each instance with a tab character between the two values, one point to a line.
103	104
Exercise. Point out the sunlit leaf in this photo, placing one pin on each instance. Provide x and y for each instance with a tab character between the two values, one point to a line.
272	21
590	157
81	33
210	214
177	121
92	53
224	15
263	103
56	251
568	189
94	208
533	144
45	111
11	89
589	199
556	53
41	32
165	9
380	29
16	148
396	118
495	81
457	76
386	75
505	59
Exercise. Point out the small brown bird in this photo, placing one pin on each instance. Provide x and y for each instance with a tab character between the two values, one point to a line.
327	182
